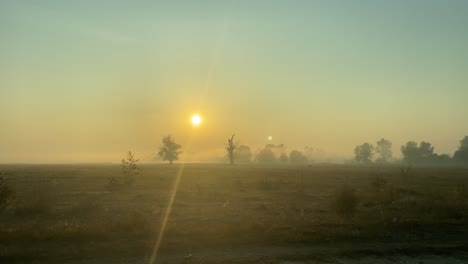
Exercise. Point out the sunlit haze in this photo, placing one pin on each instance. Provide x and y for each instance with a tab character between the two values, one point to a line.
86	81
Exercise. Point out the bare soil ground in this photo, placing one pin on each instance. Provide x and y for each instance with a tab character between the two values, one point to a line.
239	214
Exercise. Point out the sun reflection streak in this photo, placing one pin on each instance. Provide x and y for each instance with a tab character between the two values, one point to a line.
219	46
167	214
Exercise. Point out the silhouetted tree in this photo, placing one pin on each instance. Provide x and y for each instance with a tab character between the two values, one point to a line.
384	150
296	157
169	150
283	158
243	154
130	168
426	150
364	153
266	155
412	153
231	147
462	153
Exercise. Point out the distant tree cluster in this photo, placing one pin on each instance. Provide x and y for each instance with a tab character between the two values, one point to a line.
366	152
413	153
278	154
422	153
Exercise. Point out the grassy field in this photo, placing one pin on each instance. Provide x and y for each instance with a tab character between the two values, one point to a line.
238	214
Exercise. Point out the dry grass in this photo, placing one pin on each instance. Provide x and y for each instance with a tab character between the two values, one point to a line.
222	205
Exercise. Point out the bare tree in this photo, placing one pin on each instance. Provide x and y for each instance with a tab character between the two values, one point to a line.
231	147
169	150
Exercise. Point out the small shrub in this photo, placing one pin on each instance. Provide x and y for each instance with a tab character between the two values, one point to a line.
130	171
345	202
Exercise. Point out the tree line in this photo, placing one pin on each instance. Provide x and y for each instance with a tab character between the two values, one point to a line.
366	153
237	153
412	152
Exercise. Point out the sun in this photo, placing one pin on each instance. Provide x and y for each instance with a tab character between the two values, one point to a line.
196	120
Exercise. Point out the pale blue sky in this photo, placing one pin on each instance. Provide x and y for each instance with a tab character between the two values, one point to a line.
87	80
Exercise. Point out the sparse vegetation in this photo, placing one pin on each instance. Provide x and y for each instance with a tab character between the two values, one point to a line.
246	205
130	171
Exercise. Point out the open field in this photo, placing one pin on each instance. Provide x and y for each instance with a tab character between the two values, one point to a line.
239	214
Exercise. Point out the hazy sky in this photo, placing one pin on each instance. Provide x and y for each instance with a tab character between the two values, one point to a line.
88	80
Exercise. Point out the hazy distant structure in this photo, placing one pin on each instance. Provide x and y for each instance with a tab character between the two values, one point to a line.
243	154
364	153
296	157
231	147
462	153
169	150
384	150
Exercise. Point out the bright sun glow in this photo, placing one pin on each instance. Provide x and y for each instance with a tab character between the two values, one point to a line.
196	120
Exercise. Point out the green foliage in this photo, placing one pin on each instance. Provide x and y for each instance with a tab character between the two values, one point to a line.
169	150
